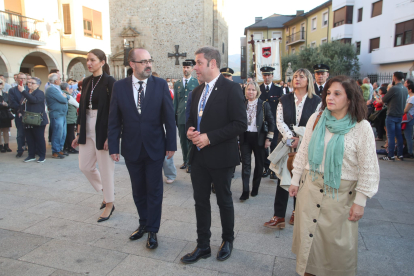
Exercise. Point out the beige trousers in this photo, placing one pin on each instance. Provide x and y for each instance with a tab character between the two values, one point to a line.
102	179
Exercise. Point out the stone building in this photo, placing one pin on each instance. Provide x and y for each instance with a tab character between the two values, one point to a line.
159	26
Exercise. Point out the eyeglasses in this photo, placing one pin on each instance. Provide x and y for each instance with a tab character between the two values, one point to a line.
31	82
144	62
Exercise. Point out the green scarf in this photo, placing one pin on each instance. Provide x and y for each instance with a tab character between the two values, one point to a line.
334	150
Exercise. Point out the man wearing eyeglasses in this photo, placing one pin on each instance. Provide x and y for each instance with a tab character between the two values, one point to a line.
140	107
181	89
15	103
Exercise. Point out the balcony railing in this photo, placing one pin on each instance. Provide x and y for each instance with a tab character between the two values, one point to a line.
15	25
296	37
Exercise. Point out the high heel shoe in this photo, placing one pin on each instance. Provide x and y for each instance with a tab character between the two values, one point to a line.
103	205
106	218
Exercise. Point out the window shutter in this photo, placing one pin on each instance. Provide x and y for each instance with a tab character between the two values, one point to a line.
349	14
360	15
66	19
87	14
377	8
374	44
339	15
97	24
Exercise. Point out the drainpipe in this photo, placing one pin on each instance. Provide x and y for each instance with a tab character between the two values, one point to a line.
327	27
60	42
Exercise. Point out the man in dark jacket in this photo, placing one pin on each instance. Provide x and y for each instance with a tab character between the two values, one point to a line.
15	102
395	99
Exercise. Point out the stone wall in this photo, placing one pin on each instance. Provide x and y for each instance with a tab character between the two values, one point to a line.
160	25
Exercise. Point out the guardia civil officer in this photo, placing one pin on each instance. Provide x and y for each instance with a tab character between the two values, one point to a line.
321	76
181	89
270	93
227	73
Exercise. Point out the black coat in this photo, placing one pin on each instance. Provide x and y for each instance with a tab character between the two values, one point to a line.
101	128
259	122
224	118
272	97
35	103
316	86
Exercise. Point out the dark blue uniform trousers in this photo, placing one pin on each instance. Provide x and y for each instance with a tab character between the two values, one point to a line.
147	189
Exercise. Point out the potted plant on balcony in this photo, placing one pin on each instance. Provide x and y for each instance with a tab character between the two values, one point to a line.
24	32
35	35
9	29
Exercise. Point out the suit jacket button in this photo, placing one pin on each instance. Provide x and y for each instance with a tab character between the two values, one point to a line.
321	190
350	192
310	235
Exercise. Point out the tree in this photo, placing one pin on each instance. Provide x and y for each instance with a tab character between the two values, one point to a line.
340	57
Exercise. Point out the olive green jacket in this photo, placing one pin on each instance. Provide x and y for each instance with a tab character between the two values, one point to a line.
180	98
72	115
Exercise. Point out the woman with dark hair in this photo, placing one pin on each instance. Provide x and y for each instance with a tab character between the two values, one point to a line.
379	122
92	131
255	139
335	171
35	135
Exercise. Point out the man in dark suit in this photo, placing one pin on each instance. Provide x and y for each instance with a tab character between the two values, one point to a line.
217	117
15	100
271	93
140	106
321	76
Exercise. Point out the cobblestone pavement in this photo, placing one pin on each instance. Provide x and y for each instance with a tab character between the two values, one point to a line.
49	211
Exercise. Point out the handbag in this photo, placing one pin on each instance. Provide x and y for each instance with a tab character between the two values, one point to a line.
32	118
375	115
265	127
291	155
10	115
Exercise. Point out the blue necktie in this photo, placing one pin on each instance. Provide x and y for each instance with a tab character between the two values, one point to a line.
201	108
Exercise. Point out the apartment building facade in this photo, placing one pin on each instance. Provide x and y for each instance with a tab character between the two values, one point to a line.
37	36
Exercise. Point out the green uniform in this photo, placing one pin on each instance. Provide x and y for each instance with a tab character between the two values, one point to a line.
180	103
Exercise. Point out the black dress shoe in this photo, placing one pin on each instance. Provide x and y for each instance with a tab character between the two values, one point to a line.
196	255
73	151
183	166
138	233
265	173
19	154
273	175
213	190
188	169
106	218
103	205
152	241
224	251
244	196
254	192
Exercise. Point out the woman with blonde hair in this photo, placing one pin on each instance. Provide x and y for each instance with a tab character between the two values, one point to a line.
294	109
256	139
335	171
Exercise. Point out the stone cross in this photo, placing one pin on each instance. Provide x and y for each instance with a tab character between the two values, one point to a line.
177	55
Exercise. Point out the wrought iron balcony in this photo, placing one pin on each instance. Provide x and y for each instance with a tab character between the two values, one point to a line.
296	38
18	29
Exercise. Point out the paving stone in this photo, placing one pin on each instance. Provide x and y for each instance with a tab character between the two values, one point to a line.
16	244
18	220
399	206
285	267
134	265
267	244
373	203
18	203
64	229
377	227
59	272
13	267
64	210
387	215
240	263
405	230
79	258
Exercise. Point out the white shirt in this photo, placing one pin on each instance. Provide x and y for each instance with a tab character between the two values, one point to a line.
210	88
135	87
280	123
270	85
188	80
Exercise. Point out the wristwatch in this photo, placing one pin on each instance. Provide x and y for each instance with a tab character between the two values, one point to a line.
270	139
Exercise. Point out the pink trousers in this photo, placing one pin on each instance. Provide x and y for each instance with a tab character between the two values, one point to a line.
102	179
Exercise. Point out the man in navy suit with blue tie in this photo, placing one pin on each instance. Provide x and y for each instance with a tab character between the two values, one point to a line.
140	106
217	116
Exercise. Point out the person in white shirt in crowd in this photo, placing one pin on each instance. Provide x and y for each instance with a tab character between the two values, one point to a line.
71	119
334	172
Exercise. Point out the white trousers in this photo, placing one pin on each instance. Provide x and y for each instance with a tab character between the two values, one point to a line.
102	179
